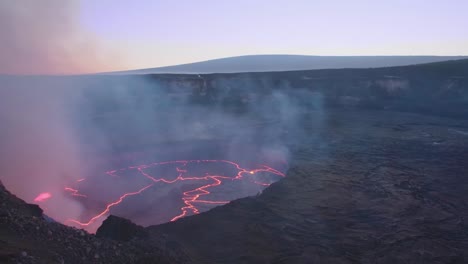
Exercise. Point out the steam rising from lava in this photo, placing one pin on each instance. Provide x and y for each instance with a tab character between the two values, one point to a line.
61	134
39	152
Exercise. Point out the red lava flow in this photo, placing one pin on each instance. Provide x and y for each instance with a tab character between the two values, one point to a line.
192	199
42	197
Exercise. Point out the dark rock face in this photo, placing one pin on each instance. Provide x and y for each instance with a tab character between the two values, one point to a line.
32	210
121	229
435	88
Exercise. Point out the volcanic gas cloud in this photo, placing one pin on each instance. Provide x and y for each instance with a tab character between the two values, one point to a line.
86	147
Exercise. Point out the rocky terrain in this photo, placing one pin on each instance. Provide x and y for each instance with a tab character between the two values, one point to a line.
28	236
378	174
376	188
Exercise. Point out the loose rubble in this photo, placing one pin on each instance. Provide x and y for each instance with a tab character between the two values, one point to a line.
26	237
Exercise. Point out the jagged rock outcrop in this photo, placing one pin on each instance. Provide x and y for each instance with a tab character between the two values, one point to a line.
121	229
20	206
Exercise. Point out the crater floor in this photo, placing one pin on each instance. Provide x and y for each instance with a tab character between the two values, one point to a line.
366	187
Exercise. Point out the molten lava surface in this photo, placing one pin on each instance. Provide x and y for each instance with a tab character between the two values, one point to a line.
175	189
43	197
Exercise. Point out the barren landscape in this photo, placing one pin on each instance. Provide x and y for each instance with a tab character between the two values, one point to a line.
325	166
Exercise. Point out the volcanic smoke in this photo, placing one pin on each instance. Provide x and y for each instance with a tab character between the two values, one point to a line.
87	147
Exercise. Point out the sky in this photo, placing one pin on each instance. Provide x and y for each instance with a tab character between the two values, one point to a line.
73	36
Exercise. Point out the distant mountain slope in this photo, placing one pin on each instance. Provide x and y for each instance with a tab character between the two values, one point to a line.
264	63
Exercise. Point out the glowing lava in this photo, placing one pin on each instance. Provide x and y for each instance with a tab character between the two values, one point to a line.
74	192
43	197
205	177
109	206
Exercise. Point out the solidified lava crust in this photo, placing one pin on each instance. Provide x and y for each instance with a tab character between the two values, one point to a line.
202	184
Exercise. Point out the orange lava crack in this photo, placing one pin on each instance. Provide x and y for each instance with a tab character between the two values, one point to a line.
190	198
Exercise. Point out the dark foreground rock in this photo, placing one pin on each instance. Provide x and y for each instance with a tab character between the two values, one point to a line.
118	228
26	237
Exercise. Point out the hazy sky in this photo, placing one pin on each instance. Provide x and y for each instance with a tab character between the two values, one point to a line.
60	36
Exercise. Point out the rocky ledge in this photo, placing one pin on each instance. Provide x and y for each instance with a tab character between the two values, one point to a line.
26	236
